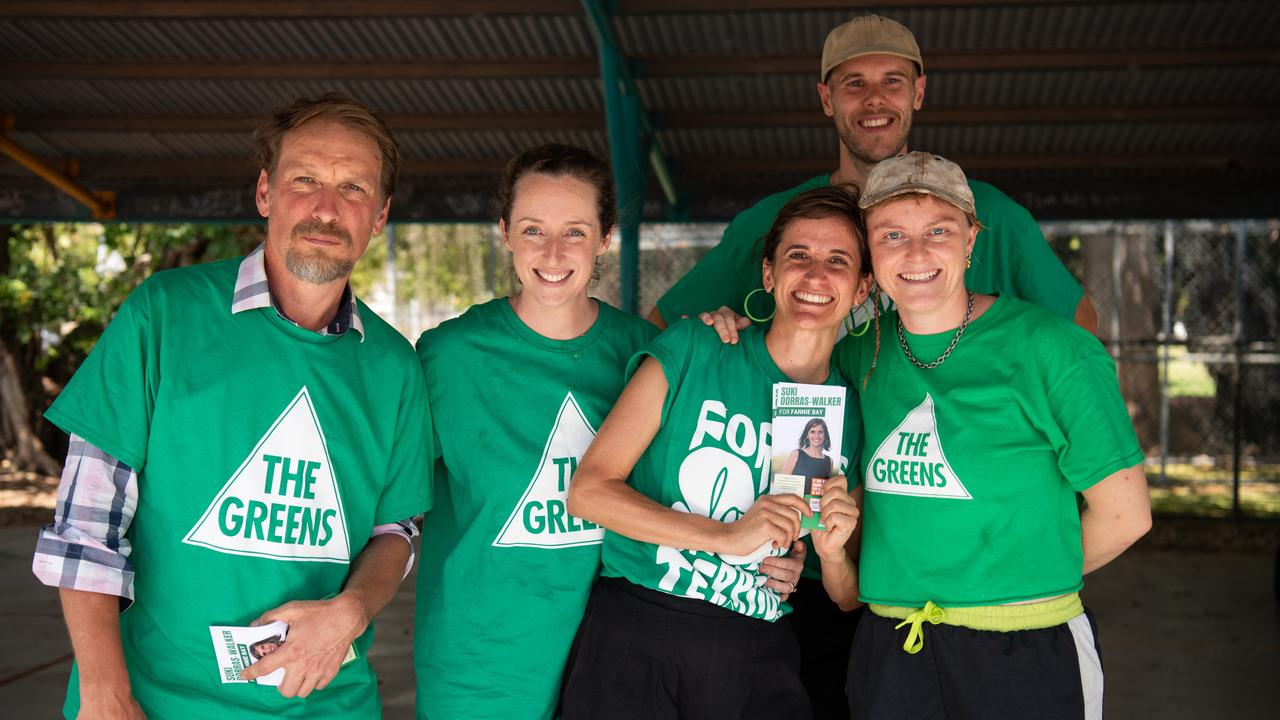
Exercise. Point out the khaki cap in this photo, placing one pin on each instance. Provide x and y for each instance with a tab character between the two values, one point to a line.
869	35
918	172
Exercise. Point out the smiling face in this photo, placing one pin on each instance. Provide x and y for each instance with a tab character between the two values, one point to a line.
264	648
322	201
554	237
817	436
919	245
815	276
872	99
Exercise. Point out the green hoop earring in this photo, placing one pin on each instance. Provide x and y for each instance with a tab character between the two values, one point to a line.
848	325
746	307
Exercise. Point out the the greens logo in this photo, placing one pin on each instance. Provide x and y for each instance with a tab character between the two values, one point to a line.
283	500
541	518
910	460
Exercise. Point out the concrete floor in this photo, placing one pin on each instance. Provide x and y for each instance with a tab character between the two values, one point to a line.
1184	636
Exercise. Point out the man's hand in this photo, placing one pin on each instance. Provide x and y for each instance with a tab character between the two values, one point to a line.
784	572
108	703
840	515
320	632
726	322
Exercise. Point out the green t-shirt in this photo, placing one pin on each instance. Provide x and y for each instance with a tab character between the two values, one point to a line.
505	570
1010	258
971	468
265	455
711	456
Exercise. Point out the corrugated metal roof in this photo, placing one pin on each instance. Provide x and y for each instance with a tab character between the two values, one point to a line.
1055	26
1147	86
1085	88
470	37
1134	138
1062	26
145	146
118	97
1247	88
491	144
801	142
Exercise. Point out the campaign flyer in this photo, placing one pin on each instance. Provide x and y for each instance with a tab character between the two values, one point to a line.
239	647
808	429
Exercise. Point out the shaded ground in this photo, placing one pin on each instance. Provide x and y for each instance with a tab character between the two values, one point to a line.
1185	635
1188	618
26	498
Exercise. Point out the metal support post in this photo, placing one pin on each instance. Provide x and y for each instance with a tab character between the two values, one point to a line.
622	112
1237	332
391	275
631	149
1168	335
1118	257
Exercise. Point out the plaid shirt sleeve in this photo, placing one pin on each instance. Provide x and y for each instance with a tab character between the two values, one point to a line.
85	548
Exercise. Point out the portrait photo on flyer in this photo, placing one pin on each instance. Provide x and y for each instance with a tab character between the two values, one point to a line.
808	427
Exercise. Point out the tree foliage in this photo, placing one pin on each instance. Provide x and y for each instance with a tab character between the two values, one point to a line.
61	284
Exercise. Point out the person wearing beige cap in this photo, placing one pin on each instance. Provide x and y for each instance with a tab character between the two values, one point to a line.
871	83
984	416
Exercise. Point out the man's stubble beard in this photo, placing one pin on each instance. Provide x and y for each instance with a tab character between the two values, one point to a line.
847	132
316	267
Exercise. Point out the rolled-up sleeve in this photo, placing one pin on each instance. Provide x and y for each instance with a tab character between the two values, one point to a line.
85	548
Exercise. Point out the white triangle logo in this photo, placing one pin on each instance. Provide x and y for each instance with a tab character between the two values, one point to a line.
283	501
541	519
910	461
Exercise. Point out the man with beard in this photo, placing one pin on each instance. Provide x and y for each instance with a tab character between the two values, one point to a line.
871	84
247	436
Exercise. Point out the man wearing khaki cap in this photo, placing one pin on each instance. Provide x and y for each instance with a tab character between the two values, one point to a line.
871	83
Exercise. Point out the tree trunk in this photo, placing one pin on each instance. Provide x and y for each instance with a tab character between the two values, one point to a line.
1118	271
184	255
28	452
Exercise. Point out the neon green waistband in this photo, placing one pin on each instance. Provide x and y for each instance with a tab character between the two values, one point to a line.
996	618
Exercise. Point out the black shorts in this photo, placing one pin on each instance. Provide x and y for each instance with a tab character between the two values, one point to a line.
647	655
825	633
962	674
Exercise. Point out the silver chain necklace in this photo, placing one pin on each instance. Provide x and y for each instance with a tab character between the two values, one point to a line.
902	339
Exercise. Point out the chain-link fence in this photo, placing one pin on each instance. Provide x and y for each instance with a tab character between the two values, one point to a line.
1189	309
1191	312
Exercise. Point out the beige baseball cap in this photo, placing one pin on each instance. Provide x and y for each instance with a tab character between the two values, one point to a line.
869	35
918	172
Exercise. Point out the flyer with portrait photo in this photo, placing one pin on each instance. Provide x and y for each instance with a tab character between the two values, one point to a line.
808	429
238	647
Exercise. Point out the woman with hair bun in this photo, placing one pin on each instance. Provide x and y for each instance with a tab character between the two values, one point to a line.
518	386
